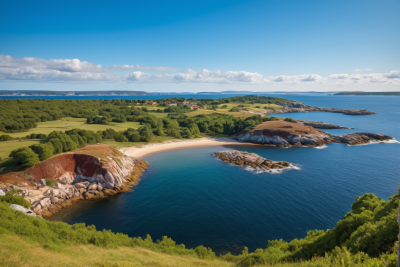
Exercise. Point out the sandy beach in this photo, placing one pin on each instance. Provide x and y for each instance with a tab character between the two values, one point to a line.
160	147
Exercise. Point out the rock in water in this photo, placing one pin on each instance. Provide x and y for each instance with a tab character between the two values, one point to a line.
250	159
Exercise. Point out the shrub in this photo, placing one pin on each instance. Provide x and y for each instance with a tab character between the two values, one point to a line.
290	120
42	150
235	109
50	182
5	138
11	198
25	157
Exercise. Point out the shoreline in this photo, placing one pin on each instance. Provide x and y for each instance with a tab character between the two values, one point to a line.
154	148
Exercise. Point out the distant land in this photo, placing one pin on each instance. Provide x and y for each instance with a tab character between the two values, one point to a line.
67	93
369	93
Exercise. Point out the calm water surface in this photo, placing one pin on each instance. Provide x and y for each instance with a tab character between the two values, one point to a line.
195	199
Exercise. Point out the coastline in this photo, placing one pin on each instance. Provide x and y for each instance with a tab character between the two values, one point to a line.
154	148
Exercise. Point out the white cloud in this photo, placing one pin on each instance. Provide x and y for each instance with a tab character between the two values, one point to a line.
70	65
74	70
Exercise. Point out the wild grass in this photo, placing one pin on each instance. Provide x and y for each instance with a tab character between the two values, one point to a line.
7	147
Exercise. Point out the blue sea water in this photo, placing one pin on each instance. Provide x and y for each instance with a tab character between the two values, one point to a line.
196	199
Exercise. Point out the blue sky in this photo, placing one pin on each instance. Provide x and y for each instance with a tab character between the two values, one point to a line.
215	45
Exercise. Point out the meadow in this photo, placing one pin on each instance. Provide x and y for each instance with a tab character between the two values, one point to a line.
7	147
69	123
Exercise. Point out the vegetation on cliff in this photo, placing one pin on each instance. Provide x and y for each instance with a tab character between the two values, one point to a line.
348	244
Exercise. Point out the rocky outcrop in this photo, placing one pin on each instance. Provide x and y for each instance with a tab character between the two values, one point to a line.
321	125
23	210
362	138
290	107
288	134
102	172
249	159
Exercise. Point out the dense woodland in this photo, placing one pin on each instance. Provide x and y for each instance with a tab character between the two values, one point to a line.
366	236
20	115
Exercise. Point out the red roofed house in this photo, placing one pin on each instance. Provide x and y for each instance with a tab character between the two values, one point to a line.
154	104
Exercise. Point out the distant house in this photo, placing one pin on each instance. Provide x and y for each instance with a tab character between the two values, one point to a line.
194	106
172	105
168	102
193	103
154	104
185	102
145	102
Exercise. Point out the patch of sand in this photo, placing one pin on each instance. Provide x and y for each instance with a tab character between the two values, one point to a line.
172	145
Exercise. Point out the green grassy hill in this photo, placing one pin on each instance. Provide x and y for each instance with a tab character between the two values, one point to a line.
366	236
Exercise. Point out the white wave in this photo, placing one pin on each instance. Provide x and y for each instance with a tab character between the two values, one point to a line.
321	147
391	141
271	171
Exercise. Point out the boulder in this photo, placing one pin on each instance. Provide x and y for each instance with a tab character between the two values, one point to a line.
100	178
42	182
99	187
22	209
108	186
54	200
76	194
2	193
82	190
37	207
80	185
45	202
55	192
92	187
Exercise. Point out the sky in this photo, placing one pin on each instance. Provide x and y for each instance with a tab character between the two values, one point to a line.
200	46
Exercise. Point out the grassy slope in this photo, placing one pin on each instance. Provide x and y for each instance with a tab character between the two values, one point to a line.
7	147
15	251
69	123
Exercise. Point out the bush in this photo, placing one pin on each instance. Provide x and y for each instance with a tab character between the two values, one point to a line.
50	182
5	138
42	150
235	109
290	120
11	198
25	157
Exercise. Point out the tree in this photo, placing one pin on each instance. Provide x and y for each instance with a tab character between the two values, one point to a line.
42	150
25	157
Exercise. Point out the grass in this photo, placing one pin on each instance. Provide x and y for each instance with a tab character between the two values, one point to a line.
15	251
221	111
69	123
7	147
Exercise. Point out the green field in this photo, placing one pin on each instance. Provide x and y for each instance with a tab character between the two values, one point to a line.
7	147
69	123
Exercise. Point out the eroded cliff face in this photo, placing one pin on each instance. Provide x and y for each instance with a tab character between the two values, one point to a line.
92	171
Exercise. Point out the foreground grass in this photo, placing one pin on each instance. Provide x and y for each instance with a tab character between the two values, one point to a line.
15	251
7	147
69	123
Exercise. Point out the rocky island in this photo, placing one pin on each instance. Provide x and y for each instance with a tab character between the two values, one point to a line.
249	159
287	134
290	107
93	171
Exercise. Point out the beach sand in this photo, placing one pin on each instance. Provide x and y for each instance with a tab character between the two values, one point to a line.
160	147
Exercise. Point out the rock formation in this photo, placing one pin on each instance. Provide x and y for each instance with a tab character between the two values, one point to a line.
288	134
249	159
321	125
290	107
103	171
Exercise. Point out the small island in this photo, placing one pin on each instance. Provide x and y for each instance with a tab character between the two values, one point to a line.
250	159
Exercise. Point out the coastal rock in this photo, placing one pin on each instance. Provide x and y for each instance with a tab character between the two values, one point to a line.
249	159
2	193
282	133
363	138
45	202
92	187
36	207
321	125
23	209
80	185
54	200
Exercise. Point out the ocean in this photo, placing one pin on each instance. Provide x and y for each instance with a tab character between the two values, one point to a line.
195	199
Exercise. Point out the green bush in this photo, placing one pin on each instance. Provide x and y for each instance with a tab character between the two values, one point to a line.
290	120
25	157
50	182
11	198
42	150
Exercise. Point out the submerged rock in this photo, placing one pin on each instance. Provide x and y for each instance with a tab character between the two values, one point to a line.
249	159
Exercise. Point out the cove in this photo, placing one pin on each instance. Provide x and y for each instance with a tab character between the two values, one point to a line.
196	199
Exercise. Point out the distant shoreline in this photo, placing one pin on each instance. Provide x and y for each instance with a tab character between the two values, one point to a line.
162	147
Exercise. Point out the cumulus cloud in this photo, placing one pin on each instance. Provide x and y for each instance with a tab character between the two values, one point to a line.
70	65
74	70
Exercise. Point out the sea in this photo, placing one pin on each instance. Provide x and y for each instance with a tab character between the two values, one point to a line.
196	199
